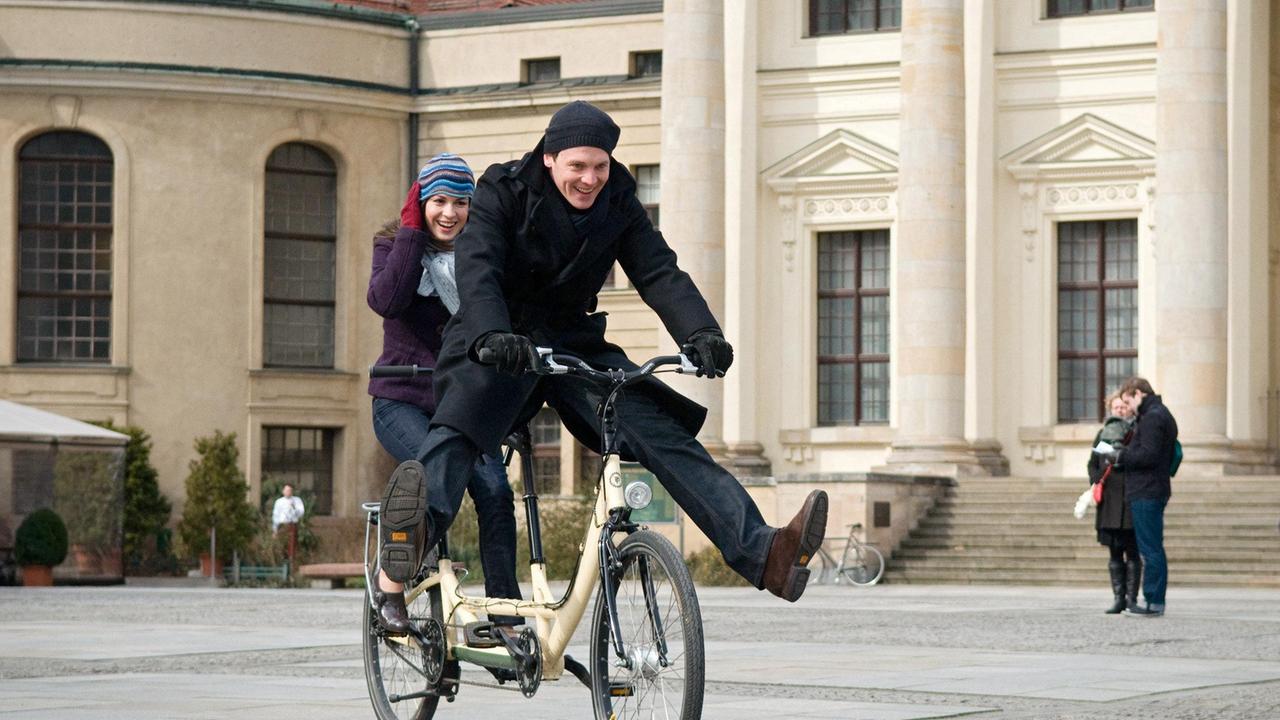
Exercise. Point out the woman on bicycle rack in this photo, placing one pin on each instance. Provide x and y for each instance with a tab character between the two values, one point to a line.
412	287
544	232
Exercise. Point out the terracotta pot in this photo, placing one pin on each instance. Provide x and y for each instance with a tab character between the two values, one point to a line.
87	560
112	564
204	566
37	575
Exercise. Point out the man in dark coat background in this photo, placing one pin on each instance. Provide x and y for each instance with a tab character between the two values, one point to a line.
543	234
1146	463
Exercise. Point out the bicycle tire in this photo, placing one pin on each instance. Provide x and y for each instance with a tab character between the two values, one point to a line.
866	568
681	618
391	669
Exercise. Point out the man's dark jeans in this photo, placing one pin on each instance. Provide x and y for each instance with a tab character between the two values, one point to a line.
709	495
402	428
1148	526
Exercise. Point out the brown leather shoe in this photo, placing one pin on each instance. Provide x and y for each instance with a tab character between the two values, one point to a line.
785	571
393	616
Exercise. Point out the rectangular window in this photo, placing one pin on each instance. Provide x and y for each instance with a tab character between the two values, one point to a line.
546	433
853	328
64	249
646	64
1097	314
839	17
1068	8
300	258
649	189
542	70
302	457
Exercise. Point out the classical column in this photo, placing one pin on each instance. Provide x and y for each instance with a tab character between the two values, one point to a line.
692	194
1191	225
980	210
1250	314
929	292
742	191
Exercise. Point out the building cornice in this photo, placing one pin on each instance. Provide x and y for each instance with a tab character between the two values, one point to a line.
539	13
311	8
61	76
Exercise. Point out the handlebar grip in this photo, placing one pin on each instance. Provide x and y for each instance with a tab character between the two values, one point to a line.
386	371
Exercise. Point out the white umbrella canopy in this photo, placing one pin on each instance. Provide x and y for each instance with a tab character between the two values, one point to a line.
22	423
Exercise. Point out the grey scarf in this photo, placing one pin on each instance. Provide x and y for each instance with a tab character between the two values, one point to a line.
437	278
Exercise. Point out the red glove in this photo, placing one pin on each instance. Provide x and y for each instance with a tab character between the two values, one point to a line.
411	213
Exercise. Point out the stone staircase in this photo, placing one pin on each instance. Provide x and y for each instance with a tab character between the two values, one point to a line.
1021	531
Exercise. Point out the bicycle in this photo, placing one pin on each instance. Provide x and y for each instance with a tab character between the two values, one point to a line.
646	641
860	564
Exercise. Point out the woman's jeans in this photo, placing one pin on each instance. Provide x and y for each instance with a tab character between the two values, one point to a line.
401	428
1148	526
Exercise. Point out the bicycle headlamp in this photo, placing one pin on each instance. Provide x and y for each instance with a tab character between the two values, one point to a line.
638	495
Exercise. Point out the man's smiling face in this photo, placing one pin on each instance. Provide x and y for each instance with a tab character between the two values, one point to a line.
579	173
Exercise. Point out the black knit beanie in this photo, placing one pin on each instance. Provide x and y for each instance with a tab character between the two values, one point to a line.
580	124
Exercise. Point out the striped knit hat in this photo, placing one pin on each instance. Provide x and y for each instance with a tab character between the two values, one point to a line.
446	174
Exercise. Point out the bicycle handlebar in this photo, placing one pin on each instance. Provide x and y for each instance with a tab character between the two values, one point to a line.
384	371
554	363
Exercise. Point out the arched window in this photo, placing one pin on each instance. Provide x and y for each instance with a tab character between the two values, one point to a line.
299	249
64	249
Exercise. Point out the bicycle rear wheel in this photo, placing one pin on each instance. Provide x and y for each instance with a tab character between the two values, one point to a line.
863	565
393	668
657	684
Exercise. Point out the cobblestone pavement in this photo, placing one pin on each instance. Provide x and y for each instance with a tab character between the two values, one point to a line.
888	652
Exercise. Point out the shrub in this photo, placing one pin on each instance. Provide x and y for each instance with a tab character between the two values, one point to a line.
707	567
216	497
146	509
41	539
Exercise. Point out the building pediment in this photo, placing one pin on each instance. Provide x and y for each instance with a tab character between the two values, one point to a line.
1088	146
839	160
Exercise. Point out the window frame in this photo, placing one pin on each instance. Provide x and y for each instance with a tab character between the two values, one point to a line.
330	437
269	235
1051	11
858	292
543	484
812	17
1100	286
635	62
94	296
527	67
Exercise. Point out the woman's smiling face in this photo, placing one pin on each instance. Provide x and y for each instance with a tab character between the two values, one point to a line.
445	216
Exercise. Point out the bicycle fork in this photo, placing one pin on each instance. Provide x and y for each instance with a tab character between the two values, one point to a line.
610	573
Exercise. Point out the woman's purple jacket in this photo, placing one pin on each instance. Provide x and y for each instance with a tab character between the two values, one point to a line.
412	325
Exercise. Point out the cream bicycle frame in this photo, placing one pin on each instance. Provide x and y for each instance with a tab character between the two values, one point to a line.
556	618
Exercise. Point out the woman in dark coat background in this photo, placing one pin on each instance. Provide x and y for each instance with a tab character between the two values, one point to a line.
1113	519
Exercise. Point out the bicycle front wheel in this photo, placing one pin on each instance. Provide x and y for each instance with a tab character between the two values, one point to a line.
397	669
864	566
661	675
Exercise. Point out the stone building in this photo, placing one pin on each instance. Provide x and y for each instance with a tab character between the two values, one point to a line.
936	231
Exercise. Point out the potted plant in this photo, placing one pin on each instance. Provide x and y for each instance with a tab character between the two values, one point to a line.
217	498
86	492
38	545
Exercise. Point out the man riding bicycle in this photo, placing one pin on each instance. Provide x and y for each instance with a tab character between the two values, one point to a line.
543	234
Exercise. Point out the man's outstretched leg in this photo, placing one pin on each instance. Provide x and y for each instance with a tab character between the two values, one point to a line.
770	558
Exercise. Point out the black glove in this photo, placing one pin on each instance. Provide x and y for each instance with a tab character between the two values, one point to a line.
708	349
510	353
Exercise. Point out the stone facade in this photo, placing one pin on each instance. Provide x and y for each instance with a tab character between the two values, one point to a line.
969	135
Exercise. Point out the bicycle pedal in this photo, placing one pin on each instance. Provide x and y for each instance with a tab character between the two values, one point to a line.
621	689
481	634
